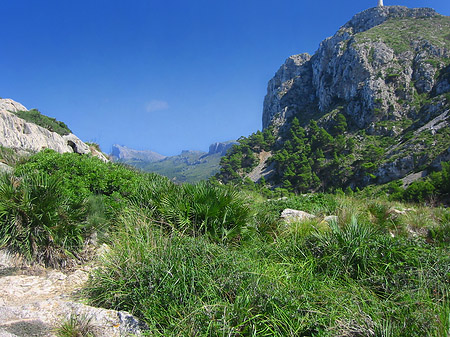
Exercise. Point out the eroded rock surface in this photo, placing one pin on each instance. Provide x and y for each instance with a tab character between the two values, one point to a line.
17	133
34	301
357	72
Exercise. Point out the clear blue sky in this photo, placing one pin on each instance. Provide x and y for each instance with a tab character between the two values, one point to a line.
163	75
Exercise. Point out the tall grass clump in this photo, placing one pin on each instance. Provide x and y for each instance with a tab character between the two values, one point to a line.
185	286
171	281
36	220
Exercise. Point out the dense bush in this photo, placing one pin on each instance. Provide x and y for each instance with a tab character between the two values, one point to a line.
36	220
81	176
220	212
436	185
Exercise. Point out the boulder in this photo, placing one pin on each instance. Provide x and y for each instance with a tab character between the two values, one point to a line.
292	215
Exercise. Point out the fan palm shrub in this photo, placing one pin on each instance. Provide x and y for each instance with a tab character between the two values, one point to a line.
219	212
35	220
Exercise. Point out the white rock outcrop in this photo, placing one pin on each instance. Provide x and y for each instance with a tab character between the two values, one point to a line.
36	301
293	215
19	134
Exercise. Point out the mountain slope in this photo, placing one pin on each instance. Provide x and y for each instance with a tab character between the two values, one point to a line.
377	93
189	166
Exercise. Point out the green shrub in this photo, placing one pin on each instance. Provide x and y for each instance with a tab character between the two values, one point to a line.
81	176
420	190
221	212
51	124
36	220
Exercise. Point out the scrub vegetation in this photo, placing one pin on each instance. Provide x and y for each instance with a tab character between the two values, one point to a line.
216	260
49	123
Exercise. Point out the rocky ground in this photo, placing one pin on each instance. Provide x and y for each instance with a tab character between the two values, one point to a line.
35	301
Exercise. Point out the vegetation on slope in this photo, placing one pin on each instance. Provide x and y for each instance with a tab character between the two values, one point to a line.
362	275
49	123
423	29
210	260
189	166
314	159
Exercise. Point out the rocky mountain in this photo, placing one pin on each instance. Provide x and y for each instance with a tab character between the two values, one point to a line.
24	136
221	147
380	88
189	166
375	67
123	153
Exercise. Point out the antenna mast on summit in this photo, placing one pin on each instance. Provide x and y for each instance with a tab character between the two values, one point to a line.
380	3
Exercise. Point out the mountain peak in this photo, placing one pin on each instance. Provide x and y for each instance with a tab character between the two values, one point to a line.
375	16
123	153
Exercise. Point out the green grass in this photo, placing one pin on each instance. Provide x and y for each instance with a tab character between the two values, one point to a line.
75	326
397	32
351	277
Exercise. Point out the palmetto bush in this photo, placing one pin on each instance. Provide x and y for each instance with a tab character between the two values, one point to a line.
219	212
35	220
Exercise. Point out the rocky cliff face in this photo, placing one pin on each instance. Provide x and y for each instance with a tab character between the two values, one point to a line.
371	69
221	147
21	135
387	71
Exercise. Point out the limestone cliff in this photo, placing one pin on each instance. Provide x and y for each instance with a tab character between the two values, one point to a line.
375	67
16	133
221	147
387	71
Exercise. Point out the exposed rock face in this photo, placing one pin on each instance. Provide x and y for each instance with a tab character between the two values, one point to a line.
5	168
387	71
18	134
36	301
360	73
221	147
123	153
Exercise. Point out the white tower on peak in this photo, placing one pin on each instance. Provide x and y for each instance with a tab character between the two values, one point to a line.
380	3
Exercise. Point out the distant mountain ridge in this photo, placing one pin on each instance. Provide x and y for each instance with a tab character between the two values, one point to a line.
123	153
189	166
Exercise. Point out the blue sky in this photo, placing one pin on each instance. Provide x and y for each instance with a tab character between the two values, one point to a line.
160	75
